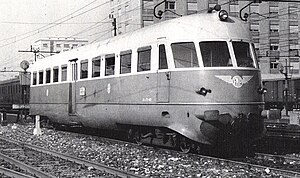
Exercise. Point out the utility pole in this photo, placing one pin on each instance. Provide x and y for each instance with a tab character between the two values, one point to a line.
287	76
35	51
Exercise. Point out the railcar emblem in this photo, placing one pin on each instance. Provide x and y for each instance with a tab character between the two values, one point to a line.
236	81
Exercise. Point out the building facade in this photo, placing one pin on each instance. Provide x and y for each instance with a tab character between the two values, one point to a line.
53	45
274	25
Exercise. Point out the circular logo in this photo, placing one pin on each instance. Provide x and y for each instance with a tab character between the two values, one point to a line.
237	81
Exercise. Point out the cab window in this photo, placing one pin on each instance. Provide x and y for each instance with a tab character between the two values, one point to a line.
215	54
184	55
243	55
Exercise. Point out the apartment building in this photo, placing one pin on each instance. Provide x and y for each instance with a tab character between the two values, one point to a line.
274	25
53	45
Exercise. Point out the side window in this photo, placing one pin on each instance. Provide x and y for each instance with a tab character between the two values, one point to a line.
55	74
125	58
96	65
64	73
144	59
163	63
185	55
109	64
34	78
84	69
41	77
48	75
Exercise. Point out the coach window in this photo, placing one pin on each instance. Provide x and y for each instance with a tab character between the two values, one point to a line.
84	69
163	63
144	59
109	64
215	54
96	65
125	58
41	77
242	54
64	73
48	74
185	55
55	74
34	78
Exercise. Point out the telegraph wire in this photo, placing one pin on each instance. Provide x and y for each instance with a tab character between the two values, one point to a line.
44	28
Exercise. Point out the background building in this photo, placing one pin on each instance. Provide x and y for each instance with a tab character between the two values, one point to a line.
274	25
58	44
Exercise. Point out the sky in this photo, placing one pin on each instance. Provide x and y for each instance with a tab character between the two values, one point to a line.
22	22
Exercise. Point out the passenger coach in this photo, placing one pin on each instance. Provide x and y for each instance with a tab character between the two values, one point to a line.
190	79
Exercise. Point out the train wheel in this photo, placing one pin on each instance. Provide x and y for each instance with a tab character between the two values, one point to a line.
138	137
184	145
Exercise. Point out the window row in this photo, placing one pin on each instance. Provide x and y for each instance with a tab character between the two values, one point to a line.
213	54
10	89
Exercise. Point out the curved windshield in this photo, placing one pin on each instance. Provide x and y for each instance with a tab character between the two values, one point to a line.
215	54
243	55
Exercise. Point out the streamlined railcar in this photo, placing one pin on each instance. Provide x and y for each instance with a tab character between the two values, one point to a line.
193	79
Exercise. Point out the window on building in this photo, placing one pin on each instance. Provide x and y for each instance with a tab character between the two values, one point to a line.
294	29
274	47
55	74
41	77
109	64
48	75
144	59
96	66
66	46
215	54
163	63
64	72
184	55
274	64
84	69
170	5
34	78
274	28
192	7
45	45
58	45
125	62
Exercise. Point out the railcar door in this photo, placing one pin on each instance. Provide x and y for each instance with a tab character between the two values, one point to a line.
163	77
72	87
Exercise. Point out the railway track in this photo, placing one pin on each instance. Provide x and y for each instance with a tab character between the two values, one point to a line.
46	163
139	160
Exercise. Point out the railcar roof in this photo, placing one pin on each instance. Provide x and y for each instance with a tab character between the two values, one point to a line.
206	26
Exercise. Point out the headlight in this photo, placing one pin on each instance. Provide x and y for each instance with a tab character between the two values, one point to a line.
223	15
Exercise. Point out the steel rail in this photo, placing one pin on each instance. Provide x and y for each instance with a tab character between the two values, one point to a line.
285	173
286	158
97	166
12	173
